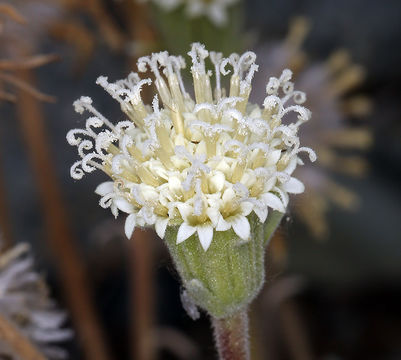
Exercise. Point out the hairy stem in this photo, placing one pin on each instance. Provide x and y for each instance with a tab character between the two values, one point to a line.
231	336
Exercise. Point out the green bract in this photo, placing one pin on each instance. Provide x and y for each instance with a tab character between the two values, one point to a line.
228	276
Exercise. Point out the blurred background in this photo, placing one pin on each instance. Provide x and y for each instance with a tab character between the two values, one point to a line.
333	287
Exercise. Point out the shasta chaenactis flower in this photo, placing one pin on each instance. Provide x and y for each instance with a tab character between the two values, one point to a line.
215	10
24	301
203	163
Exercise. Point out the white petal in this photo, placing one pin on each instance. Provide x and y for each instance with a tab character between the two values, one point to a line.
105	188
123	205
269	184
184	232
185	210
216	182
293	186
248	178
223	166
222	225
160	227
246	208
273	157
273	201
228	195
129	226
283	196
205	234
174	184
213	214
241	227
149	193
261	213
291	166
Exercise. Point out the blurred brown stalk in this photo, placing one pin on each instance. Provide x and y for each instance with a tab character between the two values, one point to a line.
27	63
18	344
283	323
59	236
142	280
295	331
12	13
6	232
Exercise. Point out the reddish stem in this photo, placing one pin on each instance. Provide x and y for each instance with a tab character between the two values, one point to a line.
231	336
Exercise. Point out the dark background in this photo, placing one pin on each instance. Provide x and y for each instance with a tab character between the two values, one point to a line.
349	302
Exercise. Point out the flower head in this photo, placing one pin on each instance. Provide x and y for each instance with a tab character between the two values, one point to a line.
25	303
215	10
203	162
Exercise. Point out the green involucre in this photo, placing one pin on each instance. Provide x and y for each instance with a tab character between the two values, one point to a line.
228	276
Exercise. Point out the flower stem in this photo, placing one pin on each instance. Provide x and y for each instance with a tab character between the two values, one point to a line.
231	336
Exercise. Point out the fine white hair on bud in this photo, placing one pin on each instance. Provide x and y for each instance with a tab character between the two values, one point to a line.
202	163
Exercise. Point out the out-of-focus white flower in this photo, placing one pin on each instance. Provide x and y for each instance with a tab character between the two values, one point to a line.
203	163
327	84
25	303
215	10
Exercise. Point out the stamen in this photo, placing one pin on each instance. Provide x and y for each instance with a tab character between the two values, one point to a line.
85	103
153	63
128	94
201	78
216	59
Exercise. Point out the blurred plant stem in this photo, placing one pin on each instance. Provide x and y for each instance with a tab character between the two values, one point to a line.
231	336
142	280
142	35
295	332
282	322
109	30
6	232
257	337
60	239
18	343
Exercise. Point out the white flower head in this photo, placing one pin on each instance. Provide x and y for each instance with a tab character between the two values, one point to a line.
205	162
25	303
215	10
